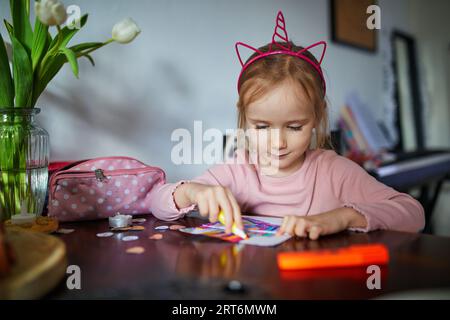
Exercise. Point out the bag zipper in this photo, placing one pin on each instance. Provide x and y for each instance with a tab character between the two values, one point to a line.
66	170
101	175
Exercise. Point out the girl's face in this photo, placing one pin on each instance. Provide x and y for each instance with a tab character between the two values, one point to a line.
282	124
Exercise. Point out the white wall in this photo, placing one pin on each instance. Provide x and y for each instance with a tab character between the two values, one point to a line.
433	37
431	26
183	68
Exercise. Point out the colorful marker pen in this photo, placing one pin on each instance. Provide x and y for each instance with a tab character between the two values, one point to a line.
234	229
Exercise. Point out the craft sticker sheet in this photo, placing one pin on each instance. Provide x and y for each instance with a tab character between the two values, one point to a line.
260	233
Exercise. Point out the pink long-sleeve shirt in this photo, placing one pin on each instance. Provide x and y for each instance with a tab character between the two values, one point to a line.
324	182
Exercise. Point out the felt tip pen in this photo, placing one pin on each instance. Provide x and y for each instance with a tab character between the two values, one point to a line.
352	256
234	229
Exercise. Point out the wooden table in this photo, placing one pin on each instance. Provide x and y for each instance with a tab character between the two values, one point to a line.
182	266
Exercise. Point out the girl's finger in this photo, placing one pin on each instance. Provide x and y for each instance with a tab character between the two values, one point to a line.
203	206
282	228
236	211
315	232
213	210
225	205
290	226
300	227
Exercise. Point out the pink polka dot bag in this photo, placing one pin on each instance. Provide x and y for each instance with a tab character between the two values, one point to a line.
99	188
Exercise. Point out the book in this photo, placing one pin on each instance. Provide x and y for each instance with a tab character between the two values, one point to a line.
347	116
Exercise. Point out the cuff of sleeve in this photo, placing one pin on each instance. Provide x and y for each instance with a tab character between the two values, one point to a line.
357	208
172	204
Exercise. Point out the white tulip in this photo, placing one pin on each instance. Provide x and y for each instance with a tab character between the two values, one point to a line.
50	12
125	31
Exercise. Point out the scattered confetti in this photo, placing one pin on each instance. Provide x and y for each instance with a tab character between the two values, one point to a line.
156	236
136	250
65	231
139	220
133	228
105	234
130	238
120	229
162	228
176	227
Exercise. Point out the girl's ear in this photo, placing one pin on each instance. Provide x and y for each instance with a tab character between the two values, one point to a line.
316	123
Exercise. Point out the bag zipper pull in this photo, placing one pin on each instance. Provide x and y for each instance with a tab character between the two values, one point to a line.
99	175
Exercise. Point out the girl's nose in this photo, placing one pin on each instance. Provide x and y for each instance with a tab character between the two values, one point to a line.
278	140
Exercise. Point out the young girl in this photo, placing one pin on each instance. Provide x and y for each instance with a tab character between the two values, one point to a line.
282	88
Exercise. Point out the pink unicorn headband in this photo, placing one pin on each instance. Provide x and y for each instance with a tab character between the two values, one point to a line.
281	34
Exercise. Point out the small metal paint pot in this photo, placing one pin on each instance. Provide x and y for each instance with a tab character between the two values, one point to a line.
120	221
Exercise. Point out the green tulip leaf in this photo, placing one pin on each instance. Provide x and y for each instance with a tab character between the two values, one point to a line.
9	27
67	34
40	42
72	58
6	82
79	48
90	59
22	74
21	23
45	73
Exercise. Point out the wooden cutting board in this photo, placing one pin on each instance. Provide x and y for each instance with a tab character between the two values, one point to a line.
40	264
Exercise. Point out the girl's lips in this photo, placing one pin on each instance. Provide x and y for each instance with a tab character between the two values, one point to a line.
280	156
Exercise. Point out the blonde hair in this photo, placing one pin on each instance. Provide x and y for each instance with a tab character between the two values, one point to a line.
271	71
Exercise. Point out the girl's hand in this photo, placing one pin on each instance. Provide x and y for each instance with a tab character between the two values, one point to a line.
211	199
330	222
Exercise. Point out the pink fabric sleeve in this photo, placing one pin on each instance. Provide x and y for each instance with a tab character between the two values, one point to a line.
382	206
162	201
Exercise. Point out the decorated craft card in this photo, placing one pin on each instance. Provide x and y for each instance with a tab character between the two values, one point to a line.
260	233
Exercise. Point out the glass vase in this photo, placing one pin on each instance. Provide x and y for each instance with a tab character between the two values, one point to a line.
24	158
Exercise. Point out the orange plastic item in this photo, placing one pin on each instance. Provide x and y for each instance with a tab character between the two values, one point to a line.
356	255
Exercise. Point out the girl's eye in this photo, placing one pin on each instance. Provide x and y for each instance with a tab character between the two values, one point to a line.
296	128
261	127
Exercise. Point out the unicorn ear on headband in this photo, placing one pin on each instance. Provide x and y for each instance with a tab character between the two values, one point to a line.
280	35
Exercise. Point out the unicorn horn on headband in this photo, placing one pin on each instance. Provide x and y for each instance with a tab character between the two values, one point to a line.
280	27
280	37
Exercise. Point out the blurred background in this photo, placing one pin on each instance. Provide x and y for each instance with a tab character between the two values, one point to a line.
183	68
